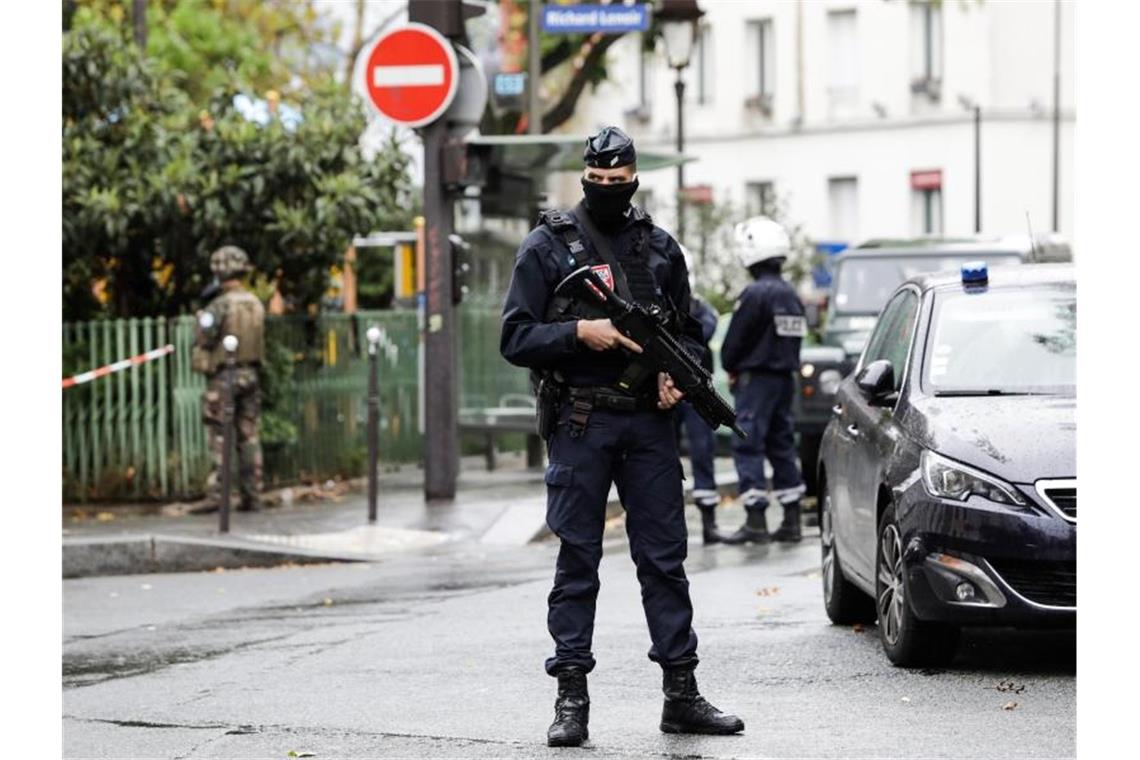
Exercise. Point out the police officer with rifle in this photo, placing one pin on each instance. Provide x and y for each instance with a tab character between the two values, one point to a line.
598	309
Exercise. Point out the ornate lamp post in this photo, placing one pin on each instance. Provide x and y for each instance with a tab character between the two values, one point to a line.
679	28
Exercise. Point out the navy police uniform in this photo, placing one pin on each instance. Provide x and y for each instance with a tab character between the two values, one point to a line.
702	439
762	348
622	439
608	429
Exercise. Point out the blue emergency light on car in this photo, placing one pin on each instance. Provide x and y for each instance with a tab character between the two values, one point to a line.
975	273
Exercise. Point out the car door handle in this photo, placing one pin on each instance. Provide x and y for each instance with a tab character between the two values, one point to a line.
853	430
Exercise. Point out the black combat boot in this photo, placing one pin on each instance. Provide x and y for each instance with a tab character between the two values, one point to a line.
754	530
571	710
687	712
709	530
789	529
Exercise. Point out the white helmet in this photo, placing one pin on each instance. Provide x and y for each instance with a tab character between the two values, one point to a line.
760	239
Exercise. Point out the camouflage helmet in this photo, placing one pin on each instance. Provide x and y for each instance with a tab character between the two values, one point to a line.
229	261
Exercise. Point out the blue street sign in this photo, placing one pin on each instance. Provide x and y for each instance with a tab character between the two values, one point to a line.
507	85
587	19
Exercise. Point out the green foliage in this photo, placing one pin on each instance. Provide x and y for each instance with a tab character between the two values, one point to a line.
709	237
277	395
152	183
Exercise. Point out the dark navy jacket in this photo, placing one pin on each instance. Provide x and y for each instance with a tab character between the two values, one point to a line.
704	313
767	328
542	261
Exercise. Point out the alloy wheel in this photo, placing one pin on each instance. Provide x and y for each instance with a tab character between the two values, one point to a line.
891	591
827	545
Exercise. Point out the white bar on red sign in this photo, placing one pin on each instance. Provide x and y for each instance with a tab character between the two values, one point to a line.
430	75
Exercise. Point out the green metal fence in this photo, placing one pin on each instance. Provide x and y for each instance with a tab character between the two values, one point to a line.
139	434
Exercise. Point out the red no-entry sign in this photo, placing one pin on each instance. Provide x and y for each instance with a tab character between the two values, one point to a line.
411	75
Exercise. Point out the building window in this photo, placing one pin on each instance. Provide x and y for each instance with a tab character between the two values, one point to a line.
760	198
926	201
843	64
703	56
762	76
926	48
843	208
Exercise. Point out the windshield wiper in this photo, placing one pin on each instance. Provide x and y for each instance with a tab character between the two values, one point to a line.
985	392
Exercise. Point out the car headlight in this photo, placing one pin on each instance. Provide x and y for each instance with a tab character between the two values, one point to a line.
807	370
951	480
829	381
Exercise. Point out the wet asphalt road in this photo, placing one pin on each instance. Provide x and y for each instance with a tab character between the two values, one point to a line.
439	654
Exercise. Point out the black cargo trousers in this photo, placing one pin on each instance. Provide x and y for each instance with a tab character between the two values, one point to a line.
637	451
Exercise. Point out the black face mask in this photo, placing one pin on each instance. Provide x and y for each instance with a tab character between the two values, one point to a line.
608	203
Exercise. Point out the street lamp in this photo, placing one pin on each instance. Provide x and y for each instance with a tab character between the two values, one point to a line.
971	105
678	28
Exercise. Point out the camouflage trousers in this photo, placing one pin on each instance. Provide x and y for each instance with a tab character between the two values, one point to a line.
247	408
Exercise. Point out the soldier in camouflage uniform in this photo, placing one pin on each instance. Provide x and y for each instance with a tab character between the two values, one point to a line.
235	311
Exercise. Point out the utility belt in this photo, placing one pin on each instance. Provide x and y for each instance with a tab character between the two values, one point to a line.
221	368
743	378
583	401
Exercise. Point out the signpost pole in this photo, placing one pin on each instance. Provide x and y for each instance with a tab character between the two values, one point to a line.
441	465
230	344
373	420
534	70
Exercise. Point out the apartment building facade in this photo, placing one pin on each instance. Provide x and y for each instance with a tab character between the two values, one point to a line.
857	116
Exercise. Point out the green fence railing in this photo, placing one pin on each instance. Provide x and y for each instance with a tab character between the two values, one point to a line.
139	433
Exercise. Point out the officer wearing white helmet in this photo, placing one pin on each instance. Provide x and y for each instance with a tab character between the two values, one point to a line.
761	352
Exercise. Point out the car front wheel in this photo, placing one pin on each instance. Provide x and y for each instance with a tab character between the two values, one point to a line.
908	641
845	604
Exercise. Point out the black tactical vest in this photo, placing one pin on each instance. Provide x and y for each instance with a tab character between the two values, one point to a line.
633	260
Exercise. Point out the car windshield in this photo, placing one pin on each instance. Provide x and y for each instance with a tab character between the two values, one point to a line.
1004	341
863	285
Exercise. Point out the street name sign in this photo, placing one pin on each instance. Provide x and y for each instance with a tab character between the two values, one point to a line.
411	75
587	19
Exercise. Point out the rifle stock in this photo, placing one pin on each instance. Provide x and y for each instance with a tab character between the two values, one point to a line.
660	349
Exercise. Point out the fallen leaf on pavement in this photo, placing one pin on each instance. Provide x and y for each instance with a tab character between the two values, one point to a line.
1009	705
295	753
105	516
1010	686
328	602
768	591
857	628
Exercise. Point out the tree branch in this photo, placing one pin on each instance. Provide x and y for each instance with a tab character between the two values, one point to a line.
564	108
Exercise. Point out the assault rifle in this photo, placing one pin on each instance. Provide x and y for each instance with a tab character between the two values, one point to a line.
661	351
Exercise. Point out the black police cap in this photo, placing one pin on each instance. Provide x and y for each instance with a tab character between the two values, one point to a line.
609	149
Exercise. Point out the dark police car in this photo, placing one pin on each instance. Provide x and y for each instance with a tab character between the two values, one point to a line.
862	279
948	470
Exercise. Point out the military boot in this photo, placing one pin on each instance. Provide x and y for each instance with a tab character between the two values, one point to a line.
687	712
709	531
571	710
789	530
755	528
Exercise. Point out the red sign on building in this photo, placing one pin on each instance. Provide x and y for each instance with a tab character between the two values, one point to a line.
926	179
411	75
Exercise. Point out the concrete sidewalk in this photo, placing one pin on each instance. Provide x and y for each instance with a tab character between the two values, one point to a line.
503	507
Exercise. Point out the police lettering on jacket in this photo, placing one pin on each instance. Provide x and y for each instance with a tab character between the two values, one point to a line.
767	327
530	338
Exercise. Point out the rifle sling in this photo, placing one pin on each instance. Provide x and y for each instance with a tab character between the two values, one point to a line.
602	246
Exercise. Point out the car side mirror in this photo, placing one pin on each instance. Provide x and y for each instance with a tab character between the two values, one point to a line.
877	381
811	312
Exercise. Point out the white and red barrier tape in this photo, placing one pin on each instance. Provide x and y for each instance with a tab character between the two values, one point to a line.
86	377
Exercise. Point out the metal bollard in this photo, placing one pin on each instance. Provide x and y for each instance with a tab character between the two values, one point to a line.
373	335
230	344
